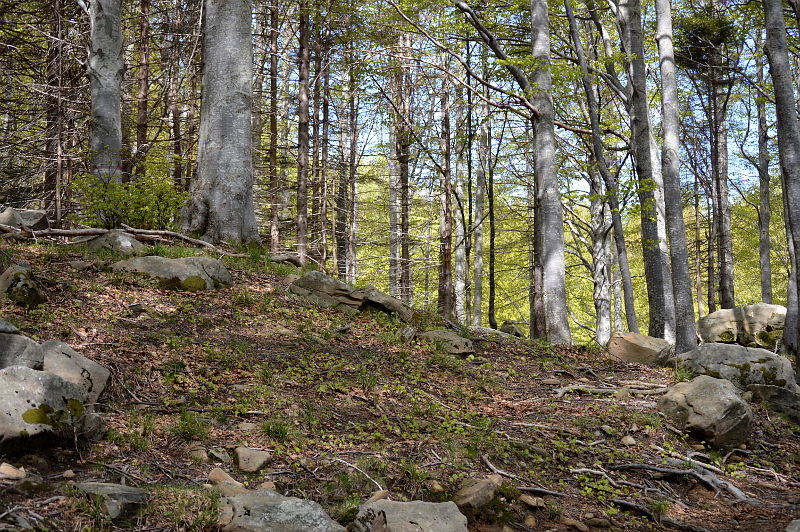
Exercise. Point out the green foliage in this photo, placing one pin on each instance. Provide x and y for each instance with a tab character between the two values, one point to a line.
147	203
190	427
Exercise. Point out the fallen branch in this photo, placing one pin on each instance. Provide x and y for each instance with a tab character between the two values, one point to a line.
380	488
497	471
561	392
658	519
688	460
541	491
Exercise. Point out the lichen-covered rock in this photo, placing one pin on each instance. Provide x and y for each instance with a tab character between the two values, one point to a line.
20	286
740	365
18	350
60	359
118	241
36	402
265	509
186	273
640	348
753	325
477	492
710	409
778	398
450	341
414	516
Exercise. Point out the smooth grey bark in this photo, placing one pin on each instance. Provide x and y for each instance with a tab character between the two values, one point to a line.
106	69
459	221
601	258
274	209
484	156
445	287
656	272
685	335
602	167
719	161
764	206
302	132
221	205
394	212
352	197
788	149
343	186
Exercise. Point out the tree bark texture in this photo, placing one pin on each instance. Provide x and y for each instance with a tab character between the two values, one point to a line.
221	205
302	133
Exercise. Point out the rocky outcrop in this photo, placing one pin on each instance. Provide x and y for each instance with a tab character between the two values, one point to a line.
20	286
327	292
265	509
186	273
640	348
758	325
18	350
117	241
740	365
710	409
414	516
509	327
450	341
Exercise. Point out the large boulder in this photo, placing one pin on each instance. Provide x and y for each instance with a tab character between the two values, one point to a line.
640	348
19	285
450	341
740	365
116	500
414	516
18	350
38	403
117	241
265	509
186	273
710	409
377	299
29	219
510	327
778	398
7	328
60	359
753	325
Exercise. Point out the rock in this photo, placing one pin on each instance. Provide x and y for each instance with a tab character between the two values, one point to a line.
450	341
709	408
573	523
267	485
221	455
60	359
406	333
531	501
386	303
20	286
599	522
267	510
640	348
378	496
475	493
117	241
117	500
531	522
289	279
186	273
748	325
80	265
33	220
486	334
778	398
551	381
36	403
414	516
740	365
18	350
7	328
628	440
9	472
509	327
219	476
434	486
68	474
197	452
251	460
794	526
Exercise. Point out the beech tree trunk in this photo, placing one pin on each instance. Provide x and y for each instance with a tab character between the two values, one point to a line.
789	151
459	216
302	134
685	335
274	202
445	291
221	208
764	207
106	68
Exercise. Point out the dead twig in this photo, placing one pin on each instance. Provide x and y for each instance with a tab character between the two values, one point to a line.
348	464
541	491
497	471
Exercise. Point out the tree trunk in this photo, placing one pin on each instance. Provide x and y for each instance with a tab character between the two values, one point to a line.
445	291
459	215
302	134
274	202
352	202
789	151
764	206
106	70
484	156
142	115
685	335
342	190
490	314
221	208
551	293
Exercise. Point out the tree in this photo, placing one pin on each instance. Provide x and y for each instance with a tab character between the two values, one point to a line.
221	205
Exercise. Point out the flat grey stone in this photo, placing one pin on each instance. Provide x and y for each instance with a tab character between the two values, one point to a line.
251	460
118	241
60	359
414	516
117	500
7	328
186	273
18	350
266	510
450	341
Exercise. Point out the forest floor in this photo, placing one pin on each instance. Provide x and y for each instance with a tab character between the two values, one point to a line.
345	407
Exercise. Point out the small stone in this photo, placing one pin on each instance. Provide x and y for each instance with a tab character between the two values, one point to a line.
80	265
220	455
406	333
628	440
69	473
551	382
794	526
32	485
9	472
246	426
574	523
268	485
219	476
530	521
532	502
698	447
598	522
607	429
475	493
199	454
251	460
583	379
434	486
378	496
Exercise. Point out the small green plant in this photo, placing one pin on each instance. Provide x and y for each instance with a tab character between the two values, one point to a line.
266	375
244	298
658	507
190	427
277	429
367	380
683	373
